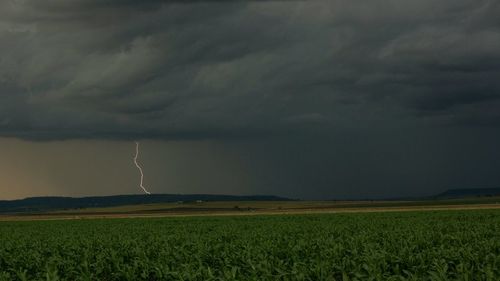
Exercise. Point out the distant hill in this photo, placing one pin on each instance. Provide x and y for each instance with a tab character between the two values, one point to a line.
469	192
43	204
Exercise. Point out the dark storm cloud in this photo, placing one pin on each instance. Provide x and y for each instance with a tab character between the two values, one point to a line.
224	69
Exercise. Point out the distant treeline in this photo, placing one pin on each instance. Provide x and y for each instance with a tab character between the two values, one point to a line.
43	204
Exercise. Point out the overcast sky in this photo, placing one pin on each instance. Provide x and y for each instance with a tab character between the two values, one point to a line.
307	99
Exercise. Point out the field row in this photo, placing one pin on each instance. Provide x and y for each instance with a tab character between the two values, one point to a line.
441	245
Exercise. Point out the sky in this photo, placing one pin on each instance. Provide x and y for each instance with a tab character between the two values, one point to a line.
305	99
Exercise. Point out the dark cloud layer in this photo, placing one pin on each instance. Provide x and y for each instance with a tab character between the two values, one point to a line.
225	69
306	99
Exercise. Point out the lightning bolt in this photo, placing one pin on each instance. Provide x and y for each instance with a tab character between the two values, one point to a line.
139	167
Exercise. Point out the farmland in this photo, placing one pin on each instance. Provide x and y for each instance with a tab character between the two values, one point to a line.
231	208
432	245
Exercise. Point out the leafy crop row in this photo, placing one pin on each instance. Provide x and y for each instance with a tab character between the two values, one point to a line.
445	245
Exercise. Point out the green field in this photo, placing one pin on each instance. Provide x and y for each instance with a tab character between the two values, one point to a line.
433	245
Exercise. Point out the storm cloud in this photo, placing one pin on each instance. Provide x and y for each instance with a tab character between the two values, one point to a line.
306	99
224	69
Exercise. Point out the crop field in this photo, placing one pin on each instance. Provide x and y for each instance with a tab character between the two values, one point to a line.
432	245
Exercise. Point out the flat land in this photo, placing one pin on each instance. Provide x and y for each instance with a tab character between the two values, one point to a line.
258	208
411	245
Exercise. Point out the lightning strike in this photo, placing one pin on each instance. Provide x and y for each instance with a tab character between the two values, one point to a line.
139	168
